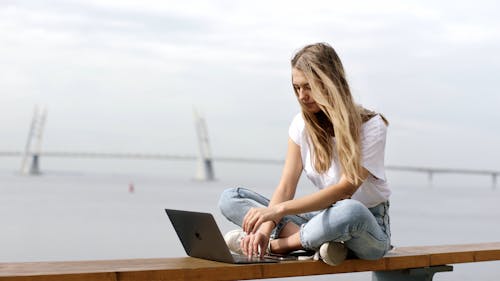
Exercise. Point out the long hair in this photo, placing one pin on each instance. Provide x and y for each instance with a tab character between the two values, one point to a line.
339	115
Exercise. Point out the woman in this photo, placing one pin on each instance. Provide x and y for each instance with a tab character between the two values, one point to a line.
340	147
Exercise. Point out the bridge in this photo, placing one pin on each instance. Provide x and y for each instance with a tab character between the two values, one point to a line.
32	153
430	171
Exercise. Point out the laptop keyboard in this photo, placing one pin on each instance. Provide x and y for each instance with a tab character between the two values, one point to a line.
245	259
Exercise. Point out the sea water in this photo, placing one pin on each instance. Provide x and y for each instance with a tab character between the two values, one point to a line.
81	209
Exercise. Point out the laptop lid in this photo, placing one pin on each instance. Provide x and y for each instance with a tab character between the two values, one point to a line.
200	236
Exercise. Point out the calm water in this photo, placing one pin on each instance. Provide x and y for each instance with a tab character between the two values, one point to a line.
82	209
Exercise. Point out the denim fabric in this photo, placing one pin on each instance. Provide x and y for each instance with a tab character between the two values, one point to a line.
365	231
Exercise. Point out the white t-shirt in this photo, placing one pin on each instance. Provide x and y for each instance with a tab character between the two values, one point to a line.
374	189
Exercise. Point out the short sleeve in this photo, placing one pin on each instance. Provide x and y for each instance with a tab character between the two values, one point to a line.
373	137
296	129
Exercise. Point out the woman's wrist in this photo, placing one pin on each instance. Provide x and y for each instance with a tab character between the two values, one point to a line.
267	227
280	209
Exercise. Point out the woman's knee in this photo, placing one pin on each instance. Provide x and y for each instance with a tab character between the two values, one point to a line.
226	199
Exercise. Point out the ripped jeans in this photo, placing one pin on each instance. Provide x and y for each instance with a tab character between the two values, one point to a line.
365	231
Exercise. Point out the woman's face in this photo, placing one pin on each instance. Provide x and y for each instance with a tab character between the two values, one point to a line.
303	91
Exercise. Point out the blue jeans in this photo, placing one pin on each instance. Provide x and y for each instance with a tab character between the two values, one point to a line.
365	231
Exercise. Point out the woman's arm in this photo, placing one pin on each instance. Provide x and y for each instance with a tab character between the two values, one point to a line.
287	186
285	191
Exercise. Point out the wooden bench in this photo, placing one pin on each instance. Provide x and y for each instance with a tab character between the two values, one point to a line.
404	263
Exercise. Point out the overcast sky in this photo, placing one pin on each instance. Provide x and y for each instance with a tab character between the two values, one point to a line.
124	76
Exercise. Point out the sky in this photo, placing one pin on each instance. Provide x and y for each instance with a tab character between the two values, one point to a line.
125	76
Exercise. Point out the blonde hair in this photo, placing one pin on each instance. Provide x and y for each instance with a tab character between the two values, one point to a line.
339	115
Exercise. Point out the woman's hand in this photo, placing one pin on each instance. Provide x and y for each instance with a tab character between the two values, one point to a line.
255	217
255	244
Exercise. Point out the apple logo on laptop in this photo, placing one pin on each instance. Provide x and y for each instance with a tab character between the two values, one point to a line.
198	235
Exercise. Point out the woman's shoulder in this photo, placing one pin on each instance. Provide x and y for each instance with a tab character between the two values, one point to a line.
374	127
296	129
298	121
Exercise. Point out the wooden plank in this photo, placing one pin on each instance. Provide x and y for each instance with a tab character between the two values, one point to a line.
487	255
451	258
109	276
452	254
198	269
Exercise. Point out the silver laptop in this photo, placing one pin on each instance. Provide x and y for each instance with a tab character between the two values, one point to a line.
201	238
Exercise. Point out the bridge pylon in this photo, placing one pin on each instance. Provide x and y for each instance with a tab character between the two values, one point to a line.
205	169
30	164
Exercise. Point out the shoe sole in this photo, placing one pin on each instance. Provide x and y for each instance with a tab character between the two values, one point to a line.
333	253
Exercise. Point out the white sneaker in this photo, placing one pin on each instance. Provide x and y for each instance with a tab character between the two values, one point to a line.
233	239
333	253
